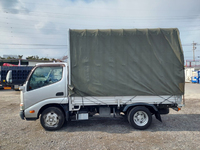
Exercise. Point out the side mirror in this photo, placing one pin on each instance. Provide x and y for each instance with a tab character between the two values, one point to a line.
9	77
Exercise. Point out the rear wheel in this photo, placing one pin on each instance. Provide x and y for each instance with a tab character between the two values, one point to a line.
140	117
52	118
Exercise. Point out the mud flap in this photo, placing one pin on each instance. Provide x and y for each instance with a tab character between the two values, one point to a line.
66	110
157	114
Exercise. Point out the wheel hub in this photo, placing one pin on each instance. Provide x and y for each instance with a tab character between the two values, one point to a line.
51	119
140	118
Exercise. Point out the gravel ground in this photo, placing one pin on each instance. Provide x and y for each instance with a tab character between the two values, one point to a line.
179	130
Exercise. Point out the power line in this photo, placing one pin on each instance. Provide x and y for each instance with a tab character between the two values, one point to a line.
188	33
95	8
30	44
111	8
58	15
16	32
47	28
49	45
31	37
33	48
61	30
189	44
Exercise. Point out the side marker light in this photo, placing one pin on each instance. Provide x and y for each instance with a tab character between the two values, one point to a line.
32	111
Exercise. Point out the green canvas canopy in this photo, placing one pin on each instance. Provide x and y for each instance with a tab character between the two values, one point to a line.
126	62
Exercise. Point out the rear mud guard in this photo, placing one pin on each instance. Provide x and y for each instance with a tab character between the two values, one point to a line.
157	114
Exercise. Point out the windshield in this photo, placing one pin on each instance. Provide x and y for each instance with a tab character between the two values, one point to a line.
43	76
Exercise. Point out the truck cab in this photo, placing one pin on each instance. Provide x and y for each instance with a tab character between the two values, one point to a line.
45	86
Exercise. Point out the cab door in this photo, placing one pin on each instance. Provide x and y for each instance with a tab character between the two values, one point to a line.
46	82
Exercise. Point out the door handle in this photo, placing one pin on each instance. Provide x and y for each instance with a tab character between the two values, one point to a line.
59	94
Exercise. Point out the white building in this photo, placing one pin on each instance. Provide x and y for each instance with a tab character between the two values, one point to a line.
34	62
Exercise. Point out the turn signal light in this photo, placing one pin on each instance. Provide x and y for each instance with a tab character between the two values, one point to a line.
32	111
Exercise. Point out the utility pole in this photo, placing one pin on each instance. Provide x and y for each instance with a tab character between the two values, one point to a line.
194	44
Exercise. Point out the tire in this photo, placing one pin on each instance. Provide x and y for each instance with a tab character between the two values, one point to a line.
127	114
52	118
140	117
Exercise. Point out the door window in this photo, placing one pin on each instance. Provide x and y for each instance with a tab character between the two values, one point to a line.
43	76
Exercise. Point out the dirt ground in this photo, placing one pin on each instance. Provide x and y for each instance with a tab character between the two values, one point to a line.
179	130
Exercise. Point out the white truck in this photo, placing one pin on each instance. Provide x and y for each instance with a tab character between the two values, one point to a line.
137	73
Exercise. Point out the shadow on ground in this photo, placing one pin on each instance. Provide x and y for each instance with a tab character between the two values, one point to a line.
171	122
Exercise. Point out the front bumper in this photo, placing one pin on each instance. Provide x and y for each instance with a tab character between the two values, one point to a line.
21	114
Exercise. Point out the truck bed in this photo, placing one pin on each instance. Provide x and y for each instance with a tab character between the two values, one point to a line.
124	100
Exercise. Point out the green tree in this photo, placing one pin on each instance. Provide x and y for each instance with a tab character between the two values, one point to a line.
33	57
1	57
29	57
20	56
11	57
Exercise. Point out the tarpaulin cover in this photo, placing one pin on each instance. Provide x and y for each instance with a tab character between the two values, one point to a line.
126	62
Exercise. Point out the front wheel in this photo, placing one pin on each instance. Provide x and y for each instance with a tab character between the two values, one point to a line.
52	118
140	117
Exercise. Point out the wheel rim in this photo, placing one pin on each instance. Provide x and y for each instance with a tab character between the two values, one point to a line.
140	118
51	119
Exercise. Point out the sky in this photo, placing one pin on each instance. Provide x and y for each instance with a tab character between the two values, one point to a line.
31	28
